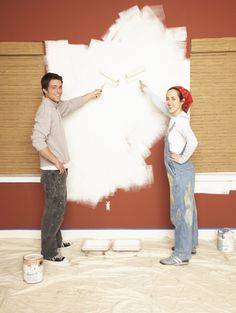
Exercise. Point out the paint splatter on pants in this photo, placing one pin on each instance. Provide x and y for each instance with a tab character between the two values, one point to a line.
183	208
55	194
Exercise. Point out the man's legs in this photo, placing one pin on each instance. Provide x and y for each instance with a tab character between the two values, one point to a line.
55	201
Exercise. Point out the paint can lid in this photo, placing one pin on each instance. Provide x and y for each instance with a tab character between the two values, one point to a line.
33	256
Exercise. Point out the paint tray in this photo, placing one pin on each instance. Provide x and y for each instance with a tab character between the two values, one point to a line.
99	245
126	245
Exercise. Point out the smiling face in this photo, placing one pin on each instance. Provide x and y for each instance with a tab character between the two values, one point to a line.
173	102
54	90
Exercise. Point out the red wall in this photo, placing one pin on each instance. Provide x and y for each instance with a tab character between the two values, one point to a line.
79	21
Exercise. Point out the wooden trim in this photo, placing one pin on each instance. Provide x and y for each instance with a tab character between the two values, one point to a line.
211	45
21	48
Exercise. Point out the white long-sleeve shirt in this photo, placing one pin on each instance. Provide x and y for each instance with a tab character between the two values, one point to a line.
181	138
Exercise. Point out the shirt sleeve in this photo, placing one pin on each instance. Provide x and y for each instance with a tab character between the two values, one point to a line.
157	101
41	128
185	130
68	106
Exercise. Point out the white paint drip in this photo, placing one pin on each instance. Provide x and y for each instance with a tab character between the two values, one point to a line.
110	138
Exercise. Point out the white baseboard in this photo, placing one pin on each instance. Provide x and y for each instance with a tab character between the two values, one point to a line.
73	234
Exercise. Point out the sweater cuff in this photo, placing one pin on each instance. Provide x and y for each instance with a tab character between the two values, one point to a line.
40	146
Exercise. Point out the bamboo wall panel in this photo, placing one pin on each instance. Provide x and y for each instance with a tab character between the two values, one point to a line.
213	115
21	68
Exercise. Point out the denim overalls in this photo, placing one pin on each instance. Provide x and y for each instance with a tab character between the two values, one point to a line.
183	211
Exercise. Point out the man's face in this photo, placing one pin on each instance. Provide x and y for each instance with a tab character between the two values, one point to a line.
54	90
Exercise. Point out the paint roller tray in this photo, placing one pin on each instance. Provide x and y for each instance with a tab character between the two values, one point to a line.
126	245
102	245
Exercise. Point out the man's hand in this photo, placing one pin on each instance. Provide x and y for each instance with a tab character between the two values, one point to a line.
92	95
98	92
47	154
60	166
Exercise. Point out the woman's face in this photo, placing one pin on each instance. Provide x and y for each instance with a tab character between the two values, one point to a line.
173	102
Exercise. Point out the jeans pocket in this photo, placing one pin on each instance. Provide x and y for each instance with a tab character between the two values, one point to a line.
171	167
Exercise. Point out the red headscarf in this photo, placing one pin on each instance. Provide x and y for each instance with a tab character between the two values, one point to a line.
188	100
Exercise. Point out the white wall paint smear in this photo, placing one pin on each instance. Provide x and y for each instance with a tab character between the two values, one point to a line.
109	139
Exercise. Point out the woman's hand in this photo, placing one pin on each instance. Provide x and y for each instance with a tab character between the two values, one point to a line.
175	157
142	86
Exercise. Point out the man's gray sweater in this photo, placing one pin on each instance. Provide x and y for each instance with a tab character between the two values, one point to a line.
48	129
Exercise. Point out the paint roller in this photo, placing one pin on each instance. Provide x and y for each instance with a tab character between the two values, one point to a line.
109	80
133	75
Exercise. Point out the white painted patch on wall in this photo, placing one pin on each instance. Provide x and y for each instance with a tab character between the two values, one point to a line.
215	183
110	138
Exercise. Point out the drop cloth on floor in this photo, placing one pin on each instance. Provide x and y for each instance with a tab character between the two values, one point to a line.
119	282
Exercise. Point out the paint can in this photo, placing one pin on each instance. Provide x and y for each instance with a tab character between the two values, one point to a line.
225	240
33	268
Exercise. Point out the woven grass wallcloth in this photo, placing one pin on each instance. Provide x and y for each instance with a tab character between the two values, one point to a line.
213	115
21	68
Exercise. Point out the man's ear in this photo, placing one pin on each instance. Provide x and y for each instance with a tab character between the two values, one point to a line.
44	91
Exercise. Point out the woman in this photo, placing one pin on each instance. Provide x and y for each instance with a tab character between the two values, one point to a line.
180	143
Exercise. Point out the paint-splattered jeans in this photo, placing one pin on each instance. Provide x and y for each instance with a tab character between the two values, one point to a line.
55	194
183	208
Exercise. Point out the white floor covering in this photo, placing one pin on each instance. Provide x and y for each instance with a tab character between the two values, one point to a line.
119	282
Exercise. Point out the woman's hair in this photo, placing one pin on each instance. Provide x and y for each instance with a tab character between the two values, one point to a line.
45	80
185	95
181	97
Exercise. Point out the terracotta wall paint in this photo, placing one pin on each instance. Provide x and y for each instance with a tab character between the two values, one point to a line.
79	21
129	210
21	208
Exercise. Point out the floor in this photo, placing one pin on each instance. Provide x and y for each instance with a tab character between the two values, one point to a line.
119	282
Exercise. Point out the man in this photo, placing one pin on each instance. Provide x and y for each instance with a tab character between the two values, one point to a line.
48	138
